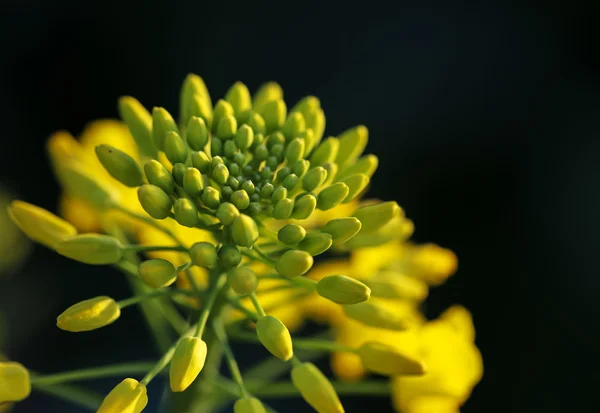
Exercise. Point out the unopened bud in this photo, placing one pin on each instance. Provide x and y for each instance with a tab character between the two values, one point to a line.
119	165
227	213
248	405
239	98
96	249
375	315
383	359
154	201
343	290
300	167
257	123
197	133
139	122
294	125
242	280
389	284
365	165
128	397
274	114
244	231
89	315
244	137
294	151
222	110
304	207
162	122
194	99
203	254
316	389
159	176
175	148
352	144
240	199
332	196
81	183
314	178
294	263
187	362
227	127
15	382
211	197
342	229
356	185
178	172
192	182
326	152
275	336
229	256
185	212
291	234
283	209
221	174
157	273
316	243
266	93
376	216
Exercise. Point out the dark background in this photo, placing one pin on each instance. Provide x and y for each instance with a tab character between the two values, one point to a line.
485	119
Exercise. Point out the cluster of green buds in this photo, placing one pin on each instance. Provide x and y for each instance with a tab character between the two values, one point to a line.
250	172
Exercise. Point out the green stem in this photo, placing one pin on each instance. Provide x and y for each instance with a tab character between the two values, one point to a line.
287	389
235	303
184	267
82	397
257	306
214	290
301	343
263	255
150	248
128	268
92	373
236	374
150	222
144	297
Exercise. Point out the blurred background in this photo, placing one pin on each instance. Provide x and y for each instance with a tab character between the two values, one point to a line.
485	120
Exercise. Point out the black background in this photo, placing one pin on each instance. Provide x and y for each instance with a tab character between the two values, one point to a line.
485	119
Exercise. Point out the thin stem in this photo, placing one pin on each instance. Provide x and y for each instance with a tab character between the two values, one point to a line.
128	268
263	255
150	222
210	300
287	389
92	373
230	358
155	294
82	397
301	343
183	267
235	303
150	248
257	306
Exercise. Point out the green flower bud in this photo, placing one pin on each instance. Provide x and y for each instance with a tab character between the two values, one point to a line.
197	133
267	190
372	314
89	315
356	184
248	186
226	192
203	254
314	178
242	280
365	165
155	201
78	182
239	98
227	213
278	194
234	168
277	151
290	182
229	256
275	336
294	151
283	173
157	273
185	212
373	217
291	234
276	138
244	231
200	109
249	405
39	224
159	176
272	162
178	172
175	148
162	122
192	182
254	208
294	125
390	284
283	209
139	122
194	100
352	144
128	397
96	249
326	152
383	359
222	110
332	170
274	114
307	104
120	166
315	121
316	243
332	196
316	389
304	207
244	137
343	290
240	199
257	123
300	167
187	362
200	161
211	197
261	153
233	182
227	127
216	146
216	160
221	174
294	263
15	384
266	93
342	229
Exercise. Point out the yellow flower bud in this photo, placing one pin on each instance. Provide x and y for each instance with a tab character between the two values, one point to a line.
188	361
294	151
376	216
157	273
365	165
275	336
162	122
248	405
294	263
316	243
291	234
374	315
316	389
120	165
242	280
197	135
274	114
343	290
39	224
14	382
390	284
352	144
129	396
203	254
155	201
95	249
266	93
304	207
356	185
342	229
326	152
239	98
194	100
383	359
89	315
332	196
139	122
244	231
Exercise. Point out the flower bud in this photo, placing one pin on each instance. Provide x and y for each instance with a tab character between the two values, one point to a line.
342	229
192	182
304	207
306	104
222	110
267	190
326	152
365	165
274	114
315	122
244	231
211	197
240	199
356	185
229	256
203	254
291	234
178	172
154	201
374	315
343	290
187	362
290	182
80	183
139	122
278	194
89	315
352	144
119	165
15	382
96	249
201	109
227	213
194	99
39	224
238	96
314	178
294	263
332	170
242	280
383	359
244	137
175	148
316	243
128	397
159	176
221	174
283	173
294	151
275	336
249	405
316	389
283	209
157	273
257	123
300	167
185	212
267	92
162	122
294	126
376	216
332	196
200	161
389	284
196	134
227	127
